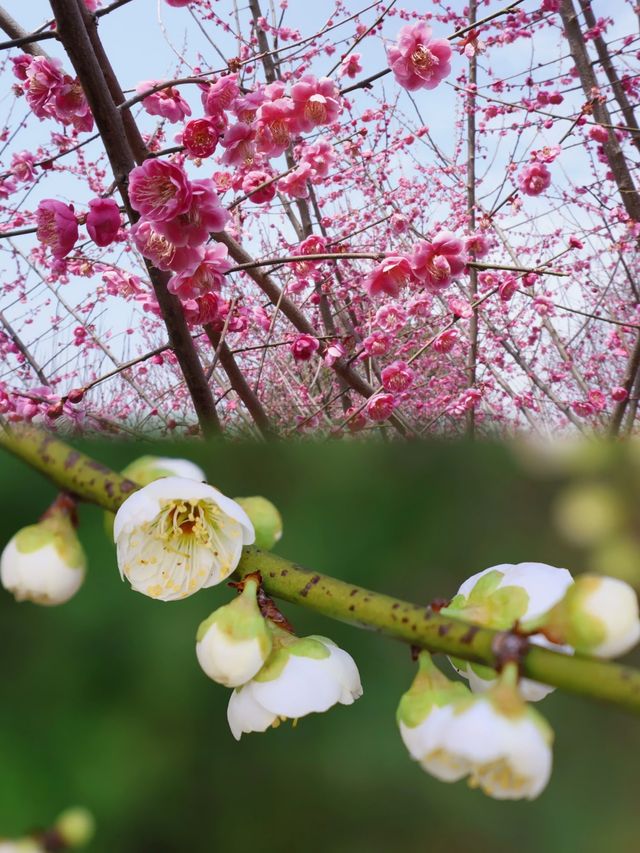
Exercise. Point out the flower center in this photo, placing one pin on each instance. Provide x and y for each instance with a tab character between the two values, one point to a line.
316	109
423	60
193	520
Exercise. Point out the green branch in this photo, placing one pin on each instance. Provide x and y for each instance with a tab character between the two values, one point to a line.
415	624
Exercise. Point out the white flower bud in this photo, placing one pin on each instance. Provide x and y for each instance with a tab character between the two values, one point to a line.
177	536
598	616
45	562
301	676
235	641
501	744
499	597
21	845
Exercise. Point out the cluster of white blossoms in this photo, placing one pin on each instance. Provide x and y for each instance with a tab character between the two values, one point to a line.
488	733
177	535
496	740
275	675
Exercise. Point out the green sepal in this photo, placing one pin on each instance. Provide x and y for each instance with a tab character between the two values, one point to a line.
241	619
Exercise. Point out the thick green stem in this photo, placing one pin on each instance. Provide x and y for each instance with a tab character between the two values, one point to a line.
415	624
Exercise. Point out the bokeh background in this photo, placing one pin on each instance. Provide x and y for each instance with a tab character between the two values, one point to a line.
102	702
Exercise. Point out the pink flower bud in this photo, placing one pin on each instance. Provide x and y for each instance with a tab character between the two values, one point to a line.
103	221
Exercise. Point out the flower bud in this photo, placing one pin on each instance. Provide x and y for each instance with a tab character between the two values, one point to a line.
500	597
598	616
75	827
233	644
266	520
300	677
45	562
500	743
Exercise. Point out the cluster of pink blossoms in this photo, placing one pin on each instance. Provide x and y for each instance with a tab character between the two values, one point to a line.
52	94
177	217
432	264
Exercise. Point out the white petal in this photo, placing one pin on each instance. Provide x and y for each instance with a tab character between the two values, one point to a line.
304	686
245	714
545	585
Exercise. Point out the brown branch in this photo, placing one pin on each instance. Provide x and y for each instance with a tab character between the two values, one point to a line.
93	68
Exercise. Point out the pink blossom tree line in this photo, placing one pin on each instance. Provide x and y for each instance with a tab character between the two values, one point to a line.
405	220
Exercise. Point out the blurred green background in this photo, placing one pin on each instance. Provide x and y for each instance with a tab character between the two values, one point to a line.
103	704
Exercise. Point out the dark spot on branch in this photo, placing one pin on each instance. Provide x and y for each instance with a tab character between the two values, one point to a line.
71	459
354	591
443	630
309	586
470	634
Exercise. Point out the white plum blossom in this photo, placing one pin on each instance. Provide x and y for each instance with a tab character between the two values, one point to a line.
176	536
44	563
235	641
21	845
598	616
302	676
500	596
496	740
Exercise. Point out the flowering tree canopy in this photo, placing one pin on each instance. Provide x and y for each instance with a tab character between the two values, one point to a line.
390	218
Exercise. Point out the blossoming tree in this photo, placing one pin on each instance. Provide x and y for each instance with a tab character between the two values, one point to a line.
401	219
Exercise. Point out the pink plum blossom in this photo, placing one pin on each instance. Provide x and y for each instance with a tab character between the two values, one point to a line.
376	344
389	276
57	226
350	66
438	262
220	95
207	277
320	155
534	179
397	377
380	407
161	252
316	102
417	60
167	103
295	183
333	353
204	215
304	347
239	145
22	166
159	190
390	317
253	180
445	341
103	221
200	137
274	122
